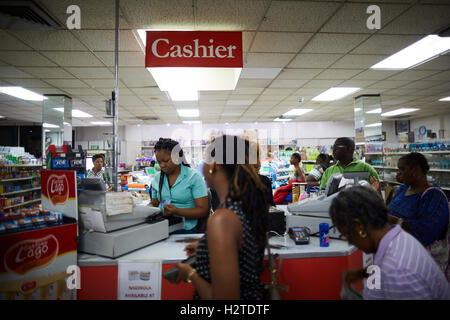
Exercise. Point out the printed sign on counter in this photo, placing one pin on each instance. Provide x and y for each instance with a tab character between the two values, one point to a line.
59	192
139	280
118	202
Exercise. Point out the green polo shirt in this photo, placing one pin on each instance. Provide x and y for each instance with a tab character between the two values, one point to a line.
355	165
188	186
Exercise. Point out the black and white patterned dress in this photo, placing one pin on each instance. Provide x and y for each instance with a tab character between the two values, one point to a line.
251	287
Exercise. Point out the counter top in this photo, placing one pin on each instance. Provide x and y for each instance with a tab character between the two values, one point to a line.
170	251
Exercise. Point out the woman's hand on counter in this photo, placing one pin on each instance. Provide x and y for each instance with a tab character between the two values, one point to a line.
191	248
183	271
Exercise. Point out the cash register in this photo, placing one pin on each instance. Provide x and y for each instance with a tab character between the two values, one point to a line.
312	212
112	224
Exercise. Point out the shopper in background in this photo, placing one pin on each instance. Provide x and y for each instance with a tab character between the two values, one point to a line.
264	179
343	150
229	258
407	271
98	171
180	184
315	175
298	171
421	208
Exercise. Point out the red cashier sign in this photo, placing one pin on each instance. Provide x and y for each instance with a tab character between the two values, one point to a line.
202	49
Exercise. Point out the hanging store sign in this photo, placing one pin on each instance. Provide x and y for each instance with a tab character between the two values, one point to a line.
201	49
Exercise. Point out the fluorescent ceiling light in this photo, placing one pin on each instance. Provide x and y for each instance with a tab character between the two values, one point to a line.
378	124
297	112
445	99
67	124
46	130
378	110
335	93
357	109
183	95
197	79
239	102
399	111
76	113
278	119
49	125
191	121
22	93
259	73
420	51
188	113
101	123
1	117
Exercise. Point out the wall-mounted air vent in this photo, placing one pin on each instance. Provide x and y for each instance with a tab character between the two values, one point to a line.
25	15
148	118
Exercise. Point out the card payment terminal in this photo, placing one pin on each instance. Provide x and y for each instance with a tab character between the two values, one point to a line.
299	234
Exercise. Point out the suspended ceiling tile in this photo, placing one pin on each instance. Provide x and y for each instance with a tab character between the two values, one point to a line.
155	14
29	83
279	42
228	15
12	72
247	91
375	74
427	19
73	59
104	40
279	91
297	16
56	40
66	83
438	63
47	73
385	44
287	83
352	17
80	91
307	60
252	83
298	74
358	61
25	59
267	60
336	74
126	59
321	84
334	43
357	83
389	84
9	42
91	72
412	75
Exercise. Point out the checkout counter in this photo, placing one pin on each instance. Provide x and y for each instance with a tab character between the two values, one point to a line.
310	271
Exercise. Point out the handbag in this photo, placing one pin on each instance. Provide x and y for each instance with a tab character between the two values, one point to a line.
271	289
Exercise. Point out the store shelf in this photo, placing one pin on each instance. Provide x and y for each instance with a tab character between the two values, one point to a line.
21	165
19	179
285	170
20	191
283	177
395	168
373	154
23	204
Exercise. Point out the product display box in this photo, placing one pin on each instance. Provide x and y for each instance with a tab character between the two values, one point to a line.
34	263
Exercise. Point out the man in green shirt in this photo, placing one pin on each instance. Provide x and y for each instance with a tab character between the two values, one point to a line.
343	150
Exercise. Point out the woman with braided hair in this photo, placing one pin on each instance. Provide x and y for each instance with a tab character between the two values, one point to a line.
229	258
180	184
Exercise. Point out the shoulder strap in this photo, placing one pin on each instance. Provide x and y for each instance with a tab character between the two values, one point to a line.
433	187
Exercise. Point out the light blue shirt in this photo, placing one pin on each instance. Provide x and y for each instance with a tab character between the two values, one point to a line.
188	186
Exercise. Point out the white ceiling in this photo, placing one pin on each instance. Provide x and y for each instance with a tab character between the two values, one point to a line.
316	44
